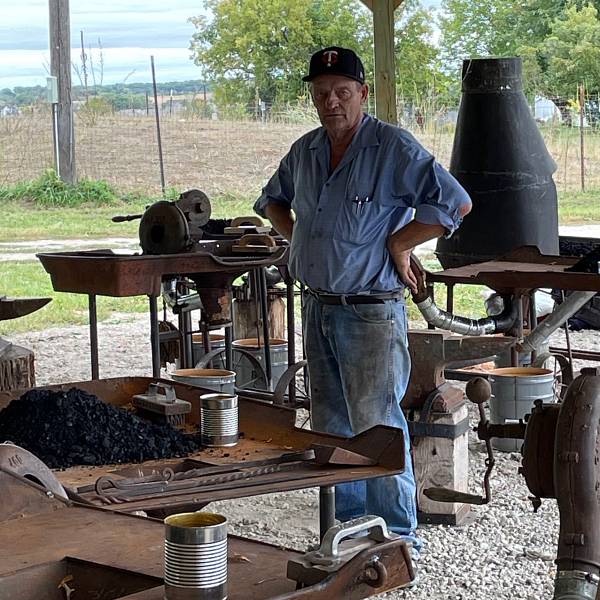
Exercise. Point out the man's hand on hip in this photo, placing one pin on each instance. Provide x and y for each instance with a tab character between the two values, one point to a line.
402	243
281	219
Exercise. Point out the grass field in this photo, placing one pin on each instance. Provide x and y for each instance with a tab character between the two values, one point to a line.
230	161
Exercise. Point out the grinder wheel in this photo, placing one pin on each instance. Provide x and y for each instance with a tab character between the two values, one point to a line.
19	461
195	205
164	229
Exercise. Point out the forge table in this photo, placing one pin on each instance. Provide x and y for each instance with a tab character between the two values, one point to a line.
520	273
266	432
105	273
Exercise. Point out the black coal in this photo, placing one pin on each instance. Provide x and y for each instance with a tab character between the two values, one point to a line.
70	428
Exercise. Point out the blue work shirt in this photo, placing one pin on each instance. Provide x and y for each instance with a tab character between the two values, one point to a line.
344	219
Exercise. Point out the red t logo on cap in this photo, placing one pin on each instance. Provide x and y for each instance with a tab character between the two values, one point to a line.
330	57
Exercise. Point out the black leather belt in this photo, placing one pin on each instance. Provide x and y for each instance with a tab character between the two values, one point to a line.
356	299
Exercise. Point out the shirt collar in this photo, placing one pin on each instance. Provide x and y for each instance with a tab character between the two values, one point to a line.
365	136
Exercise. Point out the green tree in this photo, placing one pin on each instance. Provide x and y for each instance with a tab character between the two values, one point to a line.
477	28
570	55
418	73
253	49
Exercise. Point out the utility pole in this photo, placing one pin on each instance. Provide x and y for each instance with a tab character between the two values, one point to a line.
60	67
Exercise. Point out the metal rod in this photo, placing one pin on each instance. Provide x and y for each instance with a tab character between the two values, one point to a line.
254	293
450	297
291	329
157	118
326	509
264	309
229	346
93	336
532	319
514	352
568	340
186	338
154	339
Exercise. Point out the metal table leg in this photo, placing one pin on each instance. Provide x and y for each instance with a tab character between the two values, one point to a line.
264	309
154	340
326	508
291	329
229	346
93	317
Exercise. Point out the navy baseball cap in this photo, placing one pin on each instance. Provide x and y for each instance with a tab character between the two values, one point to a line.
336	61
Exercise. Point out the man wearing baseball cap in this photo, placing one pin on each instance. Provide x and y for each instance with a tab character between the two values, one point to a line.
353	198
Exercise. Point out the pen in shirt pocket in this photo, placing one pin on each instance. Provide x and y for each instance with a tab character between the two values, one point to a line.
359	204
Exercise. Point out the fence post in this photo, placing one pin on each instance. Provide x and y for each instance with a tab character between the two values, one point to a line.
581	139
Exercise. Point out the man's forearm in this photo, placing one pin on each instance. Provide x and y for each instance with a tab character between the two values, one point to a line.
411	235
401	243
281	219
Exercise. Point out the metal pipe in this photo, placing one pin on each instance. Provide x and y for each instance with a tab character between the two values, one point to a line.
93	336
154	339
518	326
291	329
326	509
436	317
568	341
229	346
264	309
551	323
157	118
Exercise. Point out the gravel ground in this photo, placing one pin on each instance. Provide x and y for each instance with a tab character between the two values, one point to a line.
504	552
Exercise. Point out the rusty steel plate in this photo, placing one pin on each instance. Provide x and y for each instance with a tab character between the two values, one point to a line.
267	431
524	269
105	554
105	273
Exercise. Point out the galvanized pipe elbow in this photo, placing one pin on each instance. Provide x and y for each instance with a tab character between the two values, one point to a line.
464	326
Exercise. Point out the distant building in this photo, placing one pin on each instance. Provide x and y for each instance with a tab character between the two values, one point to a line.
9	111
545	111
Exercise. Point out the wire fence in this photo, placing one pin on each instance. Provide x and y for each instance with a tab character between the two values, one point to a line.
235	149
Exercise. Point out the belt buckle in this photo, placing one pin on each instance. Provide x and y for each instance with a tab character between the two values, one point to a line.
343	300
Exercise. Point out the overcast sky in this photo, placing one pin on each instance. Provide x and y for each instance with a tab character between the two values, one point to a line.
129	31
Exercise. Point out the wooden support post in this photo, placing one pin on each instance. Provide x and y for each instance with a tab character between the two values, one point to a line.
385	70
443	462
60	67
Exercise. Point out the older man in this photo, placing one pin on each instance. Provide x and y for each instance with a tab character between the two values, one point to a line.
354	197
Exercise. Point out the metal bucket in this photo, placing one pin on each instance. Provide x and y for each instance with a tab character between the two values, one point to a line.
196	556
246	372
219	420
220	380
514	390
217	342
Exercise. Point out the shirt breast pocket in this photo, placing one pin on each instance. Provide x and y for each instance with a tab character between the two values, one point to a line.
363	216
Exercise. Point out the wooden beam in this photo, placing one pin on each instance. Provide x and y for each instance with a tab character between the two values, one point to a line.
385	69
369	3
60	67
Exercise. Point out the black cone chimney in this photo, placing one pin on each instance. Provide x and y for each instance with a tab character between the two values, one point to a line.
500	158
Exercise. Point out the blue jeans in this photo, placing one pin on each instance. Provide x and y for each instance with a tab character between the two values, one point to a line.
359	367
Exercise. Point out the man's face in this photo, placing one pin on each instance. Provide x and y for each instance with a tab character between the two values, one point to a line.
338	101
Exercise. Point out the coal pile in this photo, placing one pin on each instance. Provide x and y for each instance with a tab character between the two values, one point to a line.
70	428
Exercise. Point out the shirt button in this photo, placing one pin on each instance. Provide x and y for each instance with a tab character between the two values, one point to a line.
326	185
311	265
319	210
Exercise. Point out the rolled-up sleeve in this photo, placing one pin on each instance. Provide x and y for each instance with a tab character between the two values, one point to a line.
434	193
279	189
